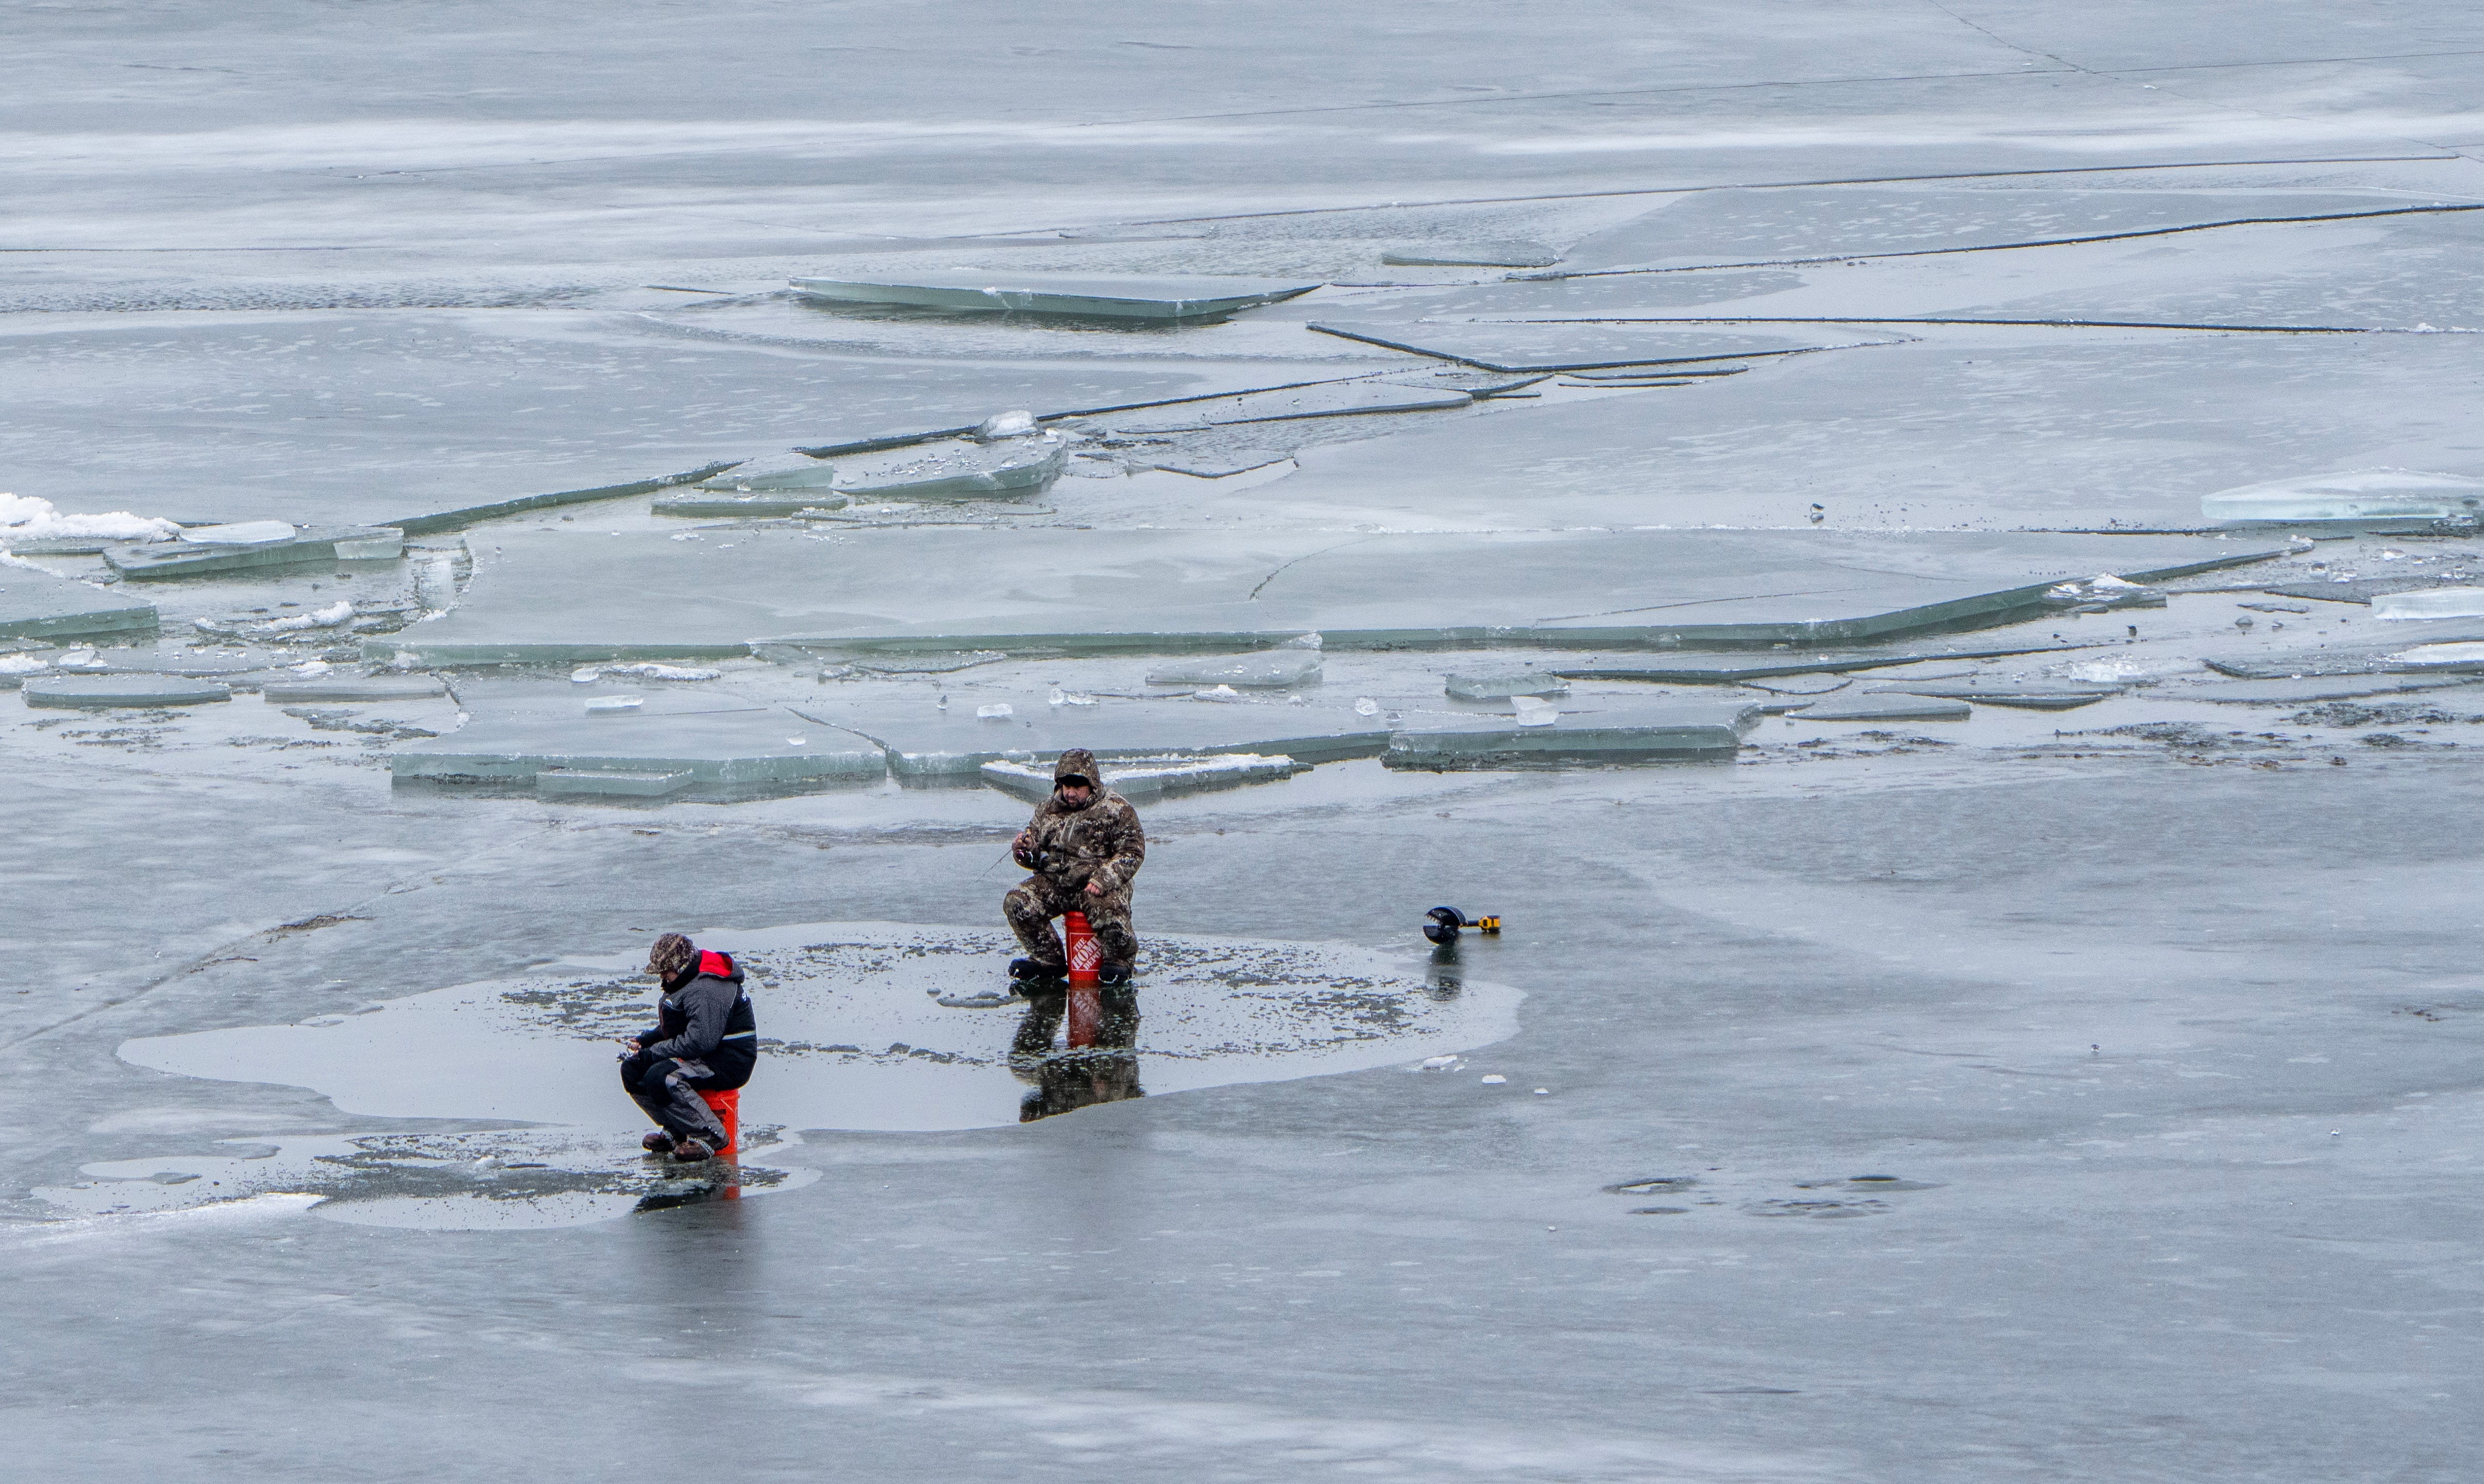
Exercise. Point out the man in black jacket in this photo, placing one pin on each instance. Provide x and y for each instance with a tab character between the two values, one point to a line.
706	1039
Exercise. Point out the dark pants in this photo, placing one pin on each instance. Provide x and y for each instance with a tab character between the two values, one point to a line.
668	1090
1033	904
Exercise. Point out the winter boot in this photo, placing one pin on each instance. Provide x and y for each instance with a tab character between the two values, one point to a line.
690	1152
1032	971
1113	974
656	1142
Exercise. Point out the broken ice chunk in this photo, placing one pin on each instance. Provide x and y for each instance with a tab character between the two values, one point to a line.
791	469
960	470
1885	708
1623	732
1283	667
585	674
1532	712
35	602
1003	424
2464	655
1494	1079
614	704
107	690
1365	706
1439	1062
2430	602
2362	494
254	546
1217	694
994	711
22	665
1505	684
240	533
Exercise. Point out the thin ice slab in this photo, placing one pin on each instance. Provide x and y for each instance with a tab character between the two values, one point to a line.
358	688
791	469
957	470
1580	347
983	291
1504	684
40	605
712	504
1626	732
543	597
1139	778
2429	603
1268	669
2027	695
1334	399
614	783
2360	495
1741	670
309	544
718	743
1885	708
97	691
1495	253
925	741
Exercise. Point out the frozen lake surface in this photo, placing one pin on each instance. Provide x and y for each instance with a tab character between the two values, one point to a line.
2033	1032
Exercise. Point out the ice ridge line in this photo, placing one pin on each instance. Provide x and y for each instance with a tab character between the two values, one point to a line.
458	520
2069	324
1753	185
1552	276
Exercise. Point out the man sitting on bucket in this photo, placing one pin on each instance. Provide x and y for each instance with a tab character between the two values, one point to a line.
706	1039
1084	846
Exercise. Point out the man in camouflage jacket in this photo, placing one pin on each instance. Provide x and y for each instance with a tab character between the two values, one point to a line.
1084	846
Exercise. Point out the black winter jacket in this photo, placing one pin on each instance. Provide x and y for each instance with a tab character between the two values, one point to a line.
707	1018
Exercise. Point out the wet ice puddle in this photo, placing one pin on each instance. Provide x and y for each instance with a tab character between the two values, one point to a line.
855	1035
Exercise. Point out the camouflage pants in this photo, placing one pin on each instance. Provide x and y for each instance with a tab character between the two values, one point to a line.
1033	904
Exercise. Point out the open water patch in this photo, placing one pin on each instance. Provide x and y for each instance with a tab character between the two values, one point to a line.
855	1035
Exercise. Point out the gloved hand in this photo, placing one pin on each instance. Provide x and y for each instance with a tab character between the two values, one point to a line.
1022	850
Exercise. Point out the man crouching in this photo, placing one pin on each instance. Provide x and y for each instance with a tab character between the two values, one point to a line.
706	1039
1084	846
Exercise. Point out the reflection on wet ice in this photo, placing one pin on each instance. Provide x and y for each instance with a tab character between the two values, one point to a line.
1067	1078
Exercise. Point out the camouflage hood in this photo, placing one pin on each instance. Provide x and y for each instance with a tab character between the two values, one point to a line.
1079	763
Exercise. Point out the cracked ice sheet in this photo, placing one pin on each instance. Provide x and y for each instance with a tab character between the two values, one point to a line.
1840	221
2388	273
1984	427
539	598
372	417
1141	113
